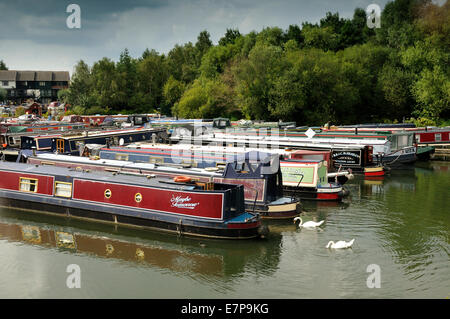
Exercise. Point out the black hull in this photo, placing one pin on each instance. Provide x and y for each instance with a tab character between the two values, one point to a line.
129	221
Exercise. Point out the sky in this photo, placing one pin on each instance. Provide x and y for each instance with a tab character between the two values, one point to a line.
35	35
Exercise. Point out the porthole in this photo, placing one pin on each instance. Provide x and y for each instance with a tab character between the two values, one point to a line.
108	193
138	197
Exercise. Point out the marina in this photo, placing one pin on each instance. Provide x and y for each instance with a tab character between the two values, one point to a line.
394	224
225	159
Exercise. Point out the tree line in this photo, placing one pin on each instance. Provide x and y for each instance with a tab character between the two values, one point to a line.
337	70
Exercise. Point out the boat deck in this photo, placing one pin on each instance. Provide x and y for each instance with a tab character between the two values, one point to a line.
108	177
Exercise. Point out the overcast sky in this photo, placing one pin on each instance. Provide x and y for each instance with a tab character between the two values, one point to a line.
34	34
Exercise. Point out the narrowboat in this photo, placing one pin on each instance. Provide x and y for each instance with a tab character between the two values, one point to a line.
71	144
12	138
358	157
213	210
206	156
309	180
395	150
259	174
433	136
314	186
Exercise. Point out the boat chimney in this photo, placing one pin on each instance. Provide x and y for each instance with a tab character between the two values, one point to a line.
356	130
33	148
153	139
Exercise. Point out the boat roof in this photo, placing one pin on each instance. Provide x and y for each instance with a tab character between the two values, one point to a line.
124	164
107	177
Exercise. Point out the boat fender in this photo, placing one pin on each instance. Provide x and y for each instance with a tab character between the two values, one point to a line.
182	179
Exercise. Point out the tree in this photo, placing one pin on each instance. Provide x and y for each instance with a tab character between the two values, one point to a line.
230	37
255	80
432	92
80	86
104	85
182	62
294	33
126	78
203	42
214	61
320	37
3	65
173	90
206	98
395	83
151	76
3	94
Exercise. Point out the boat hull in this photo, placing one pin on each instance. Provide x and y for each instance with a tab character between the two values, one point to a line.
254	230
316	195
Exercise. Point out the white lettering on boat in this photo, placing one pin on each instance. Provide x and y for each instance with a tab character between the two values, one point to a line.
183	202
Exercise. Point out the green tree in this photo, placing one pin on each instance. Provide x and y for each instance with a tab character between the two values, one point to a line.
230	37
126	79
152	74
203	42
182	62
80	86
255	80
3	94
173	90
3	65
104	86
320	37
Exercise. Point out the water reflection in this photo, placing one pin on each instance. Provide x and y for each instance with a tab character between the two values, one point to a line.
192	257
411	213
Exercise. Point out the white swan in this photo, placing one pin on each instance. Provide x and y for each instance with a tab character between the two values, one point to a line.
309	224
340	244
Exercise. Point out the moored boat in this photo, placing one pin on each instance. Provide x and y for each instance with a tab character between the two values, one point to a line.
215	211
314	186
261	177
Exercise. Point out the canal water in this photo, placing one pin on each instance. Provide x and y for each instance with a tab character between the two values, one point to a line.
400	223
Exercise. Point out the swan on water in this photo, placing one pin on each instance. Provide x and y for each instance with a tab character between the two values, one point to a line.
309	224
340	244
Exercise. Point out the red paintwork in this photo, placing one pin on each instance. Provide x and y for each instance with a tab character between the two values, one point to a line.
379	173
310	155
329	196
430	137
243	225
10	180
209	205
250	185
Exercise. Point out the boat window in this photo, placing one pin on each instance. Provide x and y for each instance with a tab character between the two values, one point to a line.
60	145
108	193
28	184
122	157
220	165
138	197
63	189
156	160
438	137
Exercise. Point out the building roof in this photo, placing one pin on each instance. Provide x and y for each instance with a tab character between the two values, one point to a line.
25	75
61	76
8	75
44	76
14	75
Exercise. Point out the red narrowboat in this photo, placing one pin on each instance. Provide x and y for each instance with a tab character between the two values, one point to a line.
212	210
